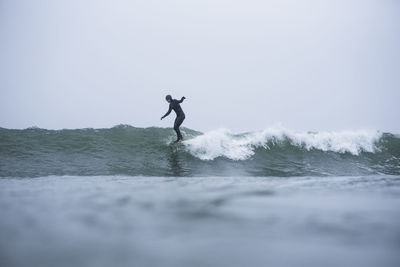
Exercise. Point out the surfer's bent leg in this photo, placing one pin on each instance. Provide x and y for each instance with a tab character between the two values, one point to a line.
178	122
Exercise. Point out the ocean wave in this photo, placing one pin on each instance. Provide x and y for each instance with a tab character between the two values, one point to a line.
127	150
223	143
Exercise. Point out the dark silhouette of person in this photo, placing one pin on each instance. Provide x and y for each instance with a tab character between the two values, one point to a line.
180	115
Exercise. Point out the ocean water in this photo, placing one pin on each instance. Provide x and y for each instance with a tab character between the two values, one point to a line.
125	197
126	150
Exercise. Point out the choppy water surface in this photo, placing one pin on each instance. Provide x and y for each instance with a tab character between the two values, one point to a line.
200	221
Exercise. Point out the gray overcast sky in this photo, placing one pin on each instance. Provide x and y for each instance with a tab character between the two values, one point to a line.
243	65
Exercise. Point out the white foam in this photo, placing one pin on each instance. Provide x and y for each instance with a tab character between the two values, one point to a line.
223	143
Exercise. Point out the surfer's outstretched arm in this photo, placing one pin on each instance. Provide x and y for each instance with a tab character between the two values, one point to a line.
183	98
168	112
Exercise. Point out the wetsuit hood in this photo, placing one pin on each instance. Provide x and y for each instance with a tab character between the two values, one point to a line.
168	97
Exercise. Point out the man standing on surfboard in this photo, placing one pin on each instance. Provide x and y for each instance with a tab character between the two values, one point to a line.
180	116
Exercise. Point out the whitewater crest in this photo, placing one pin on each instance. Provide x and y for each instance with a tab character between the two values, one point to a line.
223	143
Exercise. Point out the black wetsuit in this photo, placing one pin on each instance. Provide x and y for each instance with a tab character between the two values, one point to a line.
180	116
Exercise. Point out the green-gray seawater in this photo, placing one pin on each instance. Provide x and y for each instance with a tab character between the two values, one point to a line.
126	197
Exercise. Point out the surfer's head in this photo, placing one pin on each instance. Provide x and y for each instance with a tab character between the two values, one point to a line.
168	98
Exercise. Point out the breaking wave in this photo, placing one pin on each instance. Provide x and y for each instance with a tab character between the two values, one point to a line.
127	150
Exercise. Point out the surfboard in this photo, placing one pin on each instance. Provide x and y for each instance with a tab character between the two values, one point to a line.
175	143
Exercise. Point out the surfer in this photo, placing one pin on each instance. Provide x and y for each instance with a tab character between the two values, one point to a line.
180	116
